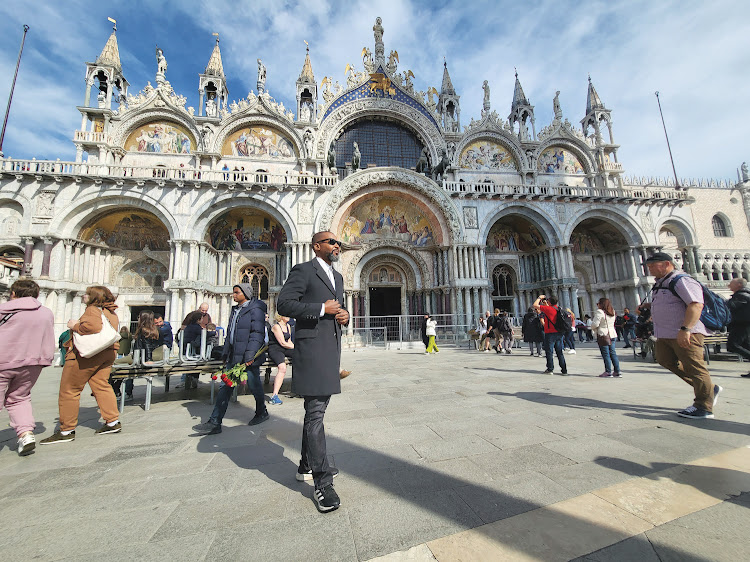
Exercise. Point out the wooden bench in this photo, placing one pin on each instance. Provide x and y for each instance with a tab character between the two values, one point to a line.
715	339
638	343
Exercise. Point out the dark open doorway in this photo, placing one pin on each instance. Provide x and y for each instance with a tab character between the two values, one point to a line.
135	311
385	301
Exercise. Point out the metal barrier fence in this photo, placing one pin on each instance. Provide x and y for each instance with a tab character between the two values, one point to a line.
395	330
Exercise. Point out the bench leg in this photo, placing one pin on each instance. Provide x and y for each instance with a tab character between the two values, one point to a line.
166	384
149	385
707	354
267	378
235	392
213	384
122	400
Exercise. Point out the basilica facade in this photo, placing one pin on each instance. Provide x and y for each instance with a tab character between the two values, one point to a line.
171	205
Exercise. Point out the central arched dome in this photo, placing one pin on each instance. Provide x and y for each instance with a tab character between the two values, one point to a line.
381	141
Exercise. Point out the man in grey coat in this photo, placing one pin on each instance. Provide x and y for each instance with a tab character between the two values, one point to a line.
313	294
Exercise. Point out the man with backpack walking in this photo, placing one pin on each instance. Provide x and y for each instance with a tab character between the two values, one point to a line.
677	303
505	329
555	322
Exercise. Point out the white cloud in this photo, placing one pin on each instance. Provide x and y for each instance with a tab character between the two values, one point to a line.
694	53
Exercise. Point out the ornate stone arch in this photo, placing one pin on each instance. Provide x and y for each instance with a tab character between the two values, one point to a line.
686	235
152	279
552	235
69	221
377	261
625	224
507	140
347	113
139	117
13	225
417	272
576	146
390	176
210	210
246	119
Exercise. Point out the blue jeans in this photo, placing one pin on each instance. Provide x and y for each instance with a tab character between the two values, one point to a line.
569	340
610	357
554	341
225	393
628	334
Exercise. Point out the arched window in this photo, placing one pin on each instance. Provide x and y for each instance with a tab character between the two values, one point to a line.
257	277
719	226
502	282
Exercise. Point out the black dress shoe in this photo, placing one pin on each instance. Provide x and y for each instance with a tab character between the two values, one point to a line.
259	418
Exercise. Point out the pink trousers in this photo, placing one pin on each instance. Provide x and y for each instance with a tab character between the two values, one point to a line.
15	396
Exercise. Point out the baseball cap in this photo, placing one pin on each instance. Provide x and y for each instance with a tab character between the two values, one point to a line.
659	256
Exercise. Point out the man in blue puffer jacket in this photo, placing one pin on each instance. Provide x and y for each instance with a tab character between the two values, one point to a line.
246	335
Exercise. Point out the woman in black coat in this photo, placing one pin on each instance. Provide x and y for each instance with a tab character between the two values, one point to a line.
533	331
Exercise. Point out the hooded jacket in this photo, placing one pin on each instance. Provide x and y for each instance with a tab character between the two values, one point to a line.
28	336
249	332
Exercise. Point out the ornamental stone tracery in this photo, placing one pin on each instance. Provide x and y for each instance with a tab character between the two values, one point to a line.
408	281
424	270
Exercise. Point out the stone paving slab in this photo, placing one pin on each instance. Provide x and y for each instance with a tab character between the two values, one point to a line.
427	447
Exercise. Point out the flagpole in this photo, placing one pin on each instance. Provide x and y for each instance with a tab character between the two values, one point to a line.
12	87
676	181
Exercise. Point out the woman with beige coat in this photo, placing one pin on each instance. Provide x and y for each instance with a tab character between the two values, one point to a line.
603	327
94	371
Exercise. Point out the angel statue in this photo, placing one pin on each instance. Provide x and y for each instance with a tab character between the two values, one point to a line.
161	62
356	157
367	61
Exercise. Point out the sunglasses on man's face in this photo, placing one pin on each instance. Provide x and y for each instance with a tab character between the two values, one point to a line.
331	241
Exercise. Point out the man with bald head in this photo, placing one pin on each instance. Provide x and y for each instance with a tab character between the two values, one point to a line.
314	295
739	328
205	319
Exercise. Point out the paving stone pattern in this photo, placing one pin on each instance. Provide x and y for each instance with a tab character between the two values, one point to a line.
427	446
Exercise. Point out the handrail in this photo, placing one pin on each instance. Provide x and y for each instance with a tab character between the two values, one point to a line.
543	191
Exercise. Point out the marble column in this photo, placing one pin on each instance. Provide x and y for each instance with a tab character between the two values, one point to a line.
350	308
46	257
68	259
76	312
28	255
62	301
465	256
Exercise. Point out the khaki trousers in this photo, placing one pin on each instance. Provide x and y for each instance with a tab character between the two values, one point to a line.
76	373
688	364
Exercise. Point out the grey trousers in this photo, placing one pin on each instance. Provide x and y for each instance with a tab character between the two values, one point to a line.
314	455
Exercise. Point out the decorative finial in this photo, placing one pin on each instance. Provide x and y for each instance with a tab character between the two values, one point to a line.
114	23
217	37
514	68
589	78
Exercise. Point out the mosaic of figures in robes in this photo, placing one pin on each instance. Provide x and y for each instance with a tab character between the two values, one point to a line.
556	160
159	137
258	141
514	236
246	229
486	155
595	236
387	218
128	230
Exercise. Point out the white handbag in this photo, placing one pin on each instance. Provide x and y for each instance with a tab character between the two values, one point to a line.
90	344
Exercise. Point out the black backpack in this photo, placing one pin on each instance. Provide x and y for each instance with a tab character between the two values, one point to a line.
564	321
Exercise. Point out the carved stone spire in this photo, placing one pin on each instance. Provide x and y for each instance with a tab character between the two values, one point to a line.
215	66
593	101
307	72
519	98
110	55
378	31
447	86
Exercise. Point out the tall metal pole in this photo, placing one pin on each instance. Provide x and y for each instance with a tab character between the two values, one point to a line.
676	181
12	87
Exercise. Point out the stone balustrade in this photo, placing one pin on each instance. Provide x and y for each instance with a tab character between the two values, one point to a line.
564	192
163	173
92	136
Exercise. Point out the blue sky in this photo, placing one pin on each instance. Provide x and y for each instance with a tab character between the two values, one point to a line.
695	53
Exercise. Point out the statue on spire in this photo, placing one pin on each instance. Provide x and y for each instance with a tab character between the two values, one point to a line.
377	30
556	106
261	77
486	102
161	66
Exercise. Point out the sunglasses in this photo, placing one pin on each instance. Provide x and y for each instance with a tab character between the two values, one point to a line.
331	241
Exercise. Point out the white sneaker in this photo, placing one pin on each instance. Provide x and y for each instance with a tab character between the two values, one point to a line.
26	445
571	352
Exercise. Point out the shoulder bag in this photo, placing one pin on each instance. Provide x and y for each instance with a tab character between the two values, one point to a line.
90	344
604	340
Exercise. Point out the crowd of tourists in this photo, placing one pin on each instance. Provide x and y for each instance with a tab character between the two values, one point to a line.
671	327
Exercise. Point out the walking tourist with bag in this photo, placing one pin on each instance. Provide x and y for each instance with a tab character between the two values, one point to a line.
88	359
676	313
505	329
603	325
28	345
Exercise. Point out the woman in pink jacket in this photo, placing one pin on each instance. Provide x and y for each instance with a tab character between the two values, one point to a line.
27	345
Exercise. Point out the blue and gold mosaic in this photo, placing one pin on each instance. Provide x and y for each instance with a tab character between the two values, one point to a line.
365	91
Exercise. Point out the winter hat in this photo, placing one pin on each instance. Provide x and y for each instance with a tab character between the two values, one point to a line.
246	289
